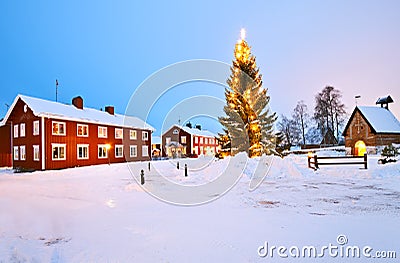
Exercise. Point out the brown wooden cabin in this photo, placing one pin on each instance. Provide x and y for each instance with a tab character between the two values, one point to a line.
371	126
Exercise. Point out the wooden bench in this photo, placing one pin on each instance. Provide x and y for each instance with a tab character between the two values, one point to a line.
314	162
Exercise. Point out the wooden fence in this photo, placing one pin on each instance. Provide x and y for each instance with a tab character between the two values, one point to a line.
314	162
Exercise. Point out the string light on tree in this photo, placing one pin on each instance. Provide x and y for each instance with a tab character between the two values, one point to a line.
248	120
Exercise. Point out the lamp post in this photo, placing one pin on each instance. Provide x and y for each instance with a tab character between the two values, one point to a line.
108	147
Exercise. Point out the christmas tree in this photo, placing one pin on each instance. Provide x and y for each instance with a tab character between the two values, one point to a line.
248	119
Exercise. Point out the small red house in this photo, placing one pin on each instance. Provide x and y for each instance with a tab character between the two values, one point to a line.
179	141
50	135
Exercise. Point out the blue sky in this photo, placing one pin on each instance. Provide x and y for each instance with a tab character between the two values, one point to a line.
103	50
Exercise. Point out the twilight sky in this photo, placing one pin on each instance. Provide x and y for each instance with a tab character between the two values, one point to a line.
103	50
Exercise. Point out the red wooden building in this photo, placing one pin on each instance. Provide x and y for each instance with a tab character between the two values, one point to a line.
50	135
179	141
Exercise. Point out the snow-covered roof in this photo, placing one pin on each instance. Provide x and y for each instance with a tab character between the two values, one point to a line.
380	119
56	110
195	131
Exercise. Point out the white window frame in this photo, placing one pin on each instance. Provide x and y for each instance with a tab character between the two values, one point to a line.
183	139
36	153
145	150
133	134
102	134
16	131
201	140
16	153
196	139
22	130
22	152
82	125
176	131
58	123
119	131
205	140
145	136
58	145
135	151
36	128
87	151
167	140
119	146
106	151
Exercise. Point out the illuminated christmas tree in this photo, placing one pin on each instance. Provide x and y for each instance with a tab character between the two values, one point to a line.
248	119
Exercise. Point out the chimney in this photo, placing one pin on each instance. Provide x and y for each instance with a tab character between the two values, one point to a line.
198	126
109	109
78	102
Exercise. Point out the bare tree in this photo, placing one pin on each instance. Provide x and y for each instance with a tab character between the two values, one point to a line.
301	117
290	130
329	111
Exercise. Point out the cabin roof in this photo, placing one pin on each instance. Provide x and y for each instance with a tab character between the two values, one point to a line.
379	119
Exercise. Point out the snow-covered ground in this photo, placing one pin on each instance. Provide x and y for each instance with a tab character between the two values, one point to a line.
101	214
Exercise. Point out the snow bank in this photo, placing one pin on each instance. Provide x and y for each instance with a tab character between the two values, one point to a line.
101	214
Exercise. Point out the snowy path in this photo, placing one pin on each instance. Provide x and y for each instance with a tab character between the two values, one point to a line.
100	214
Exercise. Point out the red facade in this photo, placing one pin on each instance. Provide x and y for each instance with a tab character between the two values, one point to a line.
188	141
49	143
205	145
5	146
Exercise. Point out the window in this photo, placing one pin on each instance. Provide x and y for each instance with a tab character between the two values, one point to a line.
102	151
58	128
119	133
36	153
22	130
168	140
145	150
132	134
175	131
183	139
16	129
58	151
22	152
145	135
205	140
83	151
133	151
201	150
196	139
102	132
201	139
82	130
16	153
36	128
119	151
